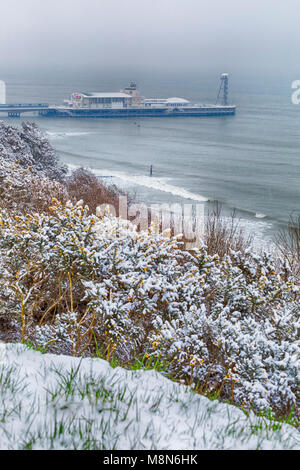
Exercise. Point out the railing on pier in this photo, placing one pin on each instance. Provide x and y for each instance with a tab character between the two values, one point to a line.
20	106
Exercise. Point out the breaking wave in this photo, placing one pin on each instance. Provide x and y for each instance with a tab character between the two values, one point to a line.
149	182
62	135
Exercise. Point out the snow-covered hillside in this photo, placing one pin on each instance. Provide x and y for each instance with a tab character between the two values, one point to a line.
59	402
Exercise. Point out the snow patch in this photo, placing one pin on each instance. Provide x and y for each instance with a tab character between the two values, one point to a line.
104	407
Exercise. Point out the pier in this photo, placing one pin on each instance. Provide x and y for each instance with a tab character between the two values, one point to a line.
127	103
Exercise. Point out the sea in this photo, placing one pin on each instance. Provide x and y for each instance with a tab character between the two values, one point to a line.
248	163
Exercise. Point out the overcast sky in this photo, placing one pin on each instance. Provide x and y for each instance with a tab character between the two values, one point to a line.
223	34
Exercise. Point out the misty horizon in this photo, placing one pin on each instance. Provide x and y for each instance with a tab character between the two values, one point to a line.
237	37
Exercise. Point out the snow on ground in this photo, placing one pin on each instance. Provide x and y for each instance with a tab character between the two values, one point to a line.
60	402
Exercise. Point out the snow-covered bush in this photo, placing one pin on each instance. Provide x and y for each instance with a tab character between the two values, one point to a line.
78	283
242	341
24	190
30	171
30	147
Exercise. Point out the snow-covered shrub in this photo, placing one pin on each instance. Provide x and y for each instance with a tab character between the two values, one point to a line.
242	341
74	282
43	258
24	190
43	154
30	147
30	171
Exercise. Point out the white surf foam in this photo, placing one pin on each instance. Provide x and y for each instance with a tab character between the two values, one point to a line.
62	135
153	183
149	182
75	134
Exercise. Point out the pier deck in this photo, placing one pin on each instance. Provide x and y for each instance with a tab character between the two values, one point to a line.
15	110
43	109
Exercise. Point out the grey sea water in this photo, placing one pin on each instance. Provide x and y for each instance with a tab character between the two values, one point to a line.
249	162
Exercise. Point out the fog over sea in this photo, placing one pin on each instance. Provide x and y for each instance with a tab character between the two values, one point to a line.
249	162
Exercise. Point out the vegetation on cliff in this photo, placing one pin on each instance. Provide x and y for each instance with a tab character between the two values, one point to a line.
86	283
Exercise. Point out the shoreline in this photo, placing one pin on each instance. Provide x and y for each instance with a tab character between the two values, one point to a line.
261	227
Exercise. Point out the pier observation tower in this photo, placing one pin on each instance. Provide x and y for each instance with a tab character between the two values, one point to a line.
224	89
